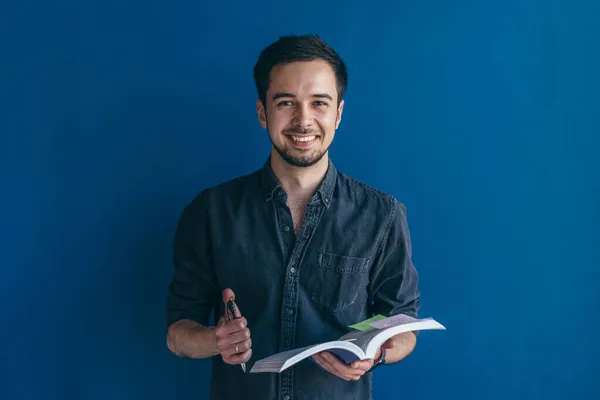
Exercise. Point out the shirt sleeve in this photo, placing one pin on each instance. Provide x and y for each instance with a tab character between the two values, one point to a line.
193	290
394	279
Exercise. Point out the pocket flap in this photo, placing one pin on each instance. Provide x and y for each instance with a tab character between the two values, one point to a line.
345	265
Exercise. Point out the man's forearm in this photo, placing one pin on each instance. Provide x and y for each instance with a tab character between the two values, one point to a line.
187	338
404	344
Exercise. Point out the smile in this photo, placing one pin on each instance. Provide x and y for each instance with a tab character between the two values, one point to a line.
304	138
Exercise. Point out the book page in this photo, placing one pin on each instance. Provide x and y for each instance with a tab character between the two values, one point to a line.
394	320
275	362
281	361
364	325
373	326
369	340
395	325
364	344
361	338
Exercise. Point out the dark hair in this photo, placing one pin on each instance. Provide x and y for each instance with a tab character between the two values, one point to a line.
297	48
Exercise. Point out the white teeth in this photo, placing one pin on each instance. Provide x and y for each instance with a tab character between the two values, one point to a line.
304	138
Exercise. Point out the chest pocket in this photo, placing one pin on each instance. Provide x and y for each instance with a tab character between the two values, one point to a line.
340	281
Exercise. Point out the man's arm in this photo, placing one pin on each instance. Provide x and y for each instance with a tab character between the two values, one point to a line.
399	347
394	288
187	338
193	290
394	283
230	339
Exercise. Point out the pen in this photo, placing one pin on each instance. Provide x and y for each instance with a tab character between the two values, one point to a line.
231	306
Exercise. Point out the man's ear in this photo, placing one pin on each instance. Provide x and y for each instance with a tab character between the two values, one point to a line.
262	115
339	114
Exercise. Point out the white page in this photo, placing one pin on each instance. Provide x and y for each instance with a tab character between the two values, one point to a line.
399	319
283	360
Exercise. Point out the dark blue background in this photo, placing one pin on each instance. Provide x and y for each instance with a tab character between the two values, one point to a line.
482	118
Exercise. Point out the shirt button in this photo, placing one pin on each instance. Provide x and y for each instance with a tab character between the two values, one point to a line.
292	270
286	228
290	311
286	397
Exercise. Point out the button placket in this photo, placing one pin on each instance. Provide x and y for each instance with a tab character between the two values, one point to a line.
290	298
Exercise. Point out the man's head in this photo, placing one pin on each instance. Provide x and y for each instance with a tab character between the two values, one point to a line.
300	82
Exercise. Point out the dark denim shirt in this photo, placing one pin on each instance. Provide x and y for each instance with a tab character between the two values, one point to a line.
352	259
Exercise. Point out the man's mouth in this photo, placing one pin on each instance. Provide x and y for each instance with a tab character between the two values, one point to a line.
304	139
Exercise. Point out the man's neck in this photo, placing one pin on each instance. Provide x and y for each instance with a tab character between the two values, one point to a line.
299	182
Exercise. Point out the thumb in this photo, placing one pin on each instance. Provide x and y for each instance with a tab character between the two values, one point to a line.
229	295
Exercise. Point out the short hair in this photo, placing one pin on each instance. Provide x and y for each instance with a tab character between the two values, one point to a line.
292	48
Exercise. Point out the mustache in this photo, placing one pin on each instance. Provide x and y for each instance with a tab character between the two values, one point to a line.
302	131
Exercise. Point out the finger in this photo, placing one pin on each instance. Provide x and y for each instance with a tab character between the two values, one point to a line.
320	361
227	295
229	327
236	348
337	368
326	365
343	369
362	365
239	358
226	344
389	344
239	337
229	348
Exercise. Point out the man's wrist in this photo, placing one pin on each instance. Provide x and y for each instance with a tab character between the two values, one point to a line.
379	356
379	359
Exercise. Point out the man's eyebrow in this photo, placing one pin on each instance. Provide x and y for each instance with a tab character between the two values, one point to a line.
284	94
323	96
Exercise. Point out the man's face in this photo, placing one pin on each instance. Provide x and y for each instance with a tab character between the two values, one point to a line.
302	112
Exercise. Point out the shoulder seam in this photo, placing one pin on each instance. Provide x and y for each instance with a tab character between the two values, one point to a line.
381	193
388	225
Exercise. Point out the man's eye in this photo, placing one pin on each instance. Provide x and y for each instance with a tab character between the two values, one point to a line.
285	103
320	103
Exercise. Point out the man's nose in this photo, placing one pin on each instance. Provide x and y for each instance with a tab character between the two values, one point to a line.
303	116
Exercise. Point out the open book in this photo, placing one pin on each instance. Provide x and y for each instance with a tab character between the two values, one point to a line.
360	344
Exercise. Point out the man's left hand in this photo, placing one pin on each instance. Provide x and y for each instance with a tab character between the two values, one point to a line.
350	372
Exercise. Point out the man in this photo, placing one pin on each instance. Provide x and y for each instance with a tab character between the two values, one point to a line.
303	249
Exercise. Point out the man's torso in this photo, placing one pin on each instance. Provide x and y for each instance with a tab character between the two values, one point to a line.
294	290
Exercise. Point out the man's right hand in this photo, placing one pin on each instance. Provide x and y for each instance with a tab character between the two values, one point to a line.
233	337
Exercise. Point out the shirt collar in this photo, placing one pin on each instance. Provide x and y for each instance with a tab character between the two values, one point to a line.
271	184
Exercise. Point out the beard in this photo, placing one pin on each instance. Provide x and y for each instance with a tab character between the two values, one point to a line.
302	161
299	161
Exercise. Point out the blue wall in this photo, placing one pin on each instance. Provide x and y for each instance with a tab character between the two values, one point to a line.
482	118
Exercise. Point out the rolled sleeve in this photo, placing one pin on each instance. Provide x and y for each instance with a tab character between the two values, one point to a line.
395	281
193	290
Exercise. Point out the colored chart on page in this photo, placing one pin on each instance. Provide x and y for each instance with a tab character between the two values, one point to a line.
364	325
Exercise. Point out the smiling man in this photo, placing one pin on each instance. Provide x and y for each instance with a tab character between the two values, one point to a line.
304	249
303	110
